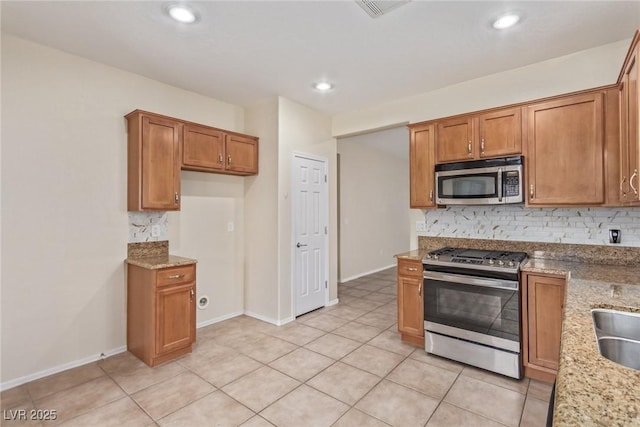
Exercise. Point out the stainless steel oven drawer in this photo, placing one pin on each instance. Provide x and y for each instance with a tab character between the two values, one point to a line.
489	358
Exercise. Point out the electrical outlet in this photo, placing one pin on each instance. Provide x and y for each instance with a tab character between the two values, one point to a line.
421	226
615	236
229	226
155	230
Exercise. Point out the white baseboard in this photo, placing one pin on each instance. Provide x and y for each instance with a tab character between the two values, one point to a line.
219	319
346	279
56	369
269	319
332	302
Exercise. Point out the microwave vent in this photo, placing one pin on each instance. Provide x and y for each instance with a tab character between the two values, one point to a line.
379	8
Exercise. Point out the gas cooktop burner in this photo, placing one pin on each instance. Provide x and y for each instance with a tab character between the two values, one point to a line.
475	258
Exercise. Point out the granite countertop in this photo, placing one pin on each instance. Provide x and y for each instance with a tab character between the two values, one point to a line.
414	255
160	261
154	255
590	389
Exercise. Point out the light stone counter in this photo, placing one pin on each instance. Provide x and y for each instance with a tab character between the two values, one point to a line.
161	261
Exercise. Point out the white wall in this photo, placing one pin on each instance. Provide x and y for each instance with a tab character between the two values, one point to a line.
374	202
64	217
556	225
301	129
581	70
261	217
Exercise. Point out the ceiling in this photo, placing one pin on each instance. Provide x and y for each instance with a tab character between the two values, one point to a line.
243	52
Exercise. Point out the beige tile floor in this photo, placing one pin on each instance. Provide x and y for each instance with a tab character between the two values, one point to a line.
339	366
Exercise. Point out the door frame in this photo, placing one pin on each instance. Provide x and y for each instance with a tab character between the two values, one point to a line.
325	202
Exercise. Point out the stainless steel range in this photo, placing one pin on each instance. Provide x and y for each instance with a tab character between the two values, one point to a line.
472	307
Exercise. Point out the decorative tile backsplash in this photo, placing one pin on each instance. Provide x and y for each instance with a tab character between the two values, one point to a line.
556	225
141	226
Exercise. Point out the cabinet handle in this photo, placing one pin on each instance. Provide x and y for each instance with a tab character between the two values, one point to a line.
229	159
176	198
176	276
531	193
412	268
420	288
192	294
635	173
469	147
622	192
482	146
220	158
431	196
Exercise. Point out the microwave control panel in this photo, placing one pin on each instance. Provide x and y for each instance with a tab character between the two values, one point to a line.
511	183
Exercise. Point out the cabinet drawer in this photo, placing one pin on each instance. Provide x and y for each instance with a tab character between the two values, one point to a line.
175	275
409	268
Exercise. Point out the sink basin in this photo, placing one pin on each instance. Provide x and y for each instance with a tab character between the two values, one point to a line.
622	351
618	336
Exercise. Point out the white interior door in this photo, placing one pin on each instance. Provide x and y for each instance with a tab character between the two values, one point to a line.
310	216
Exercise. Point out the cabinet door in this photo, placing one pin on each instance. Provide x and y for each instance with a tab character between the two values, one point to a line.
175	317
455	140
410	302
421	166
160	164
545	301
242	154
566	151
202	148
500	133
630	141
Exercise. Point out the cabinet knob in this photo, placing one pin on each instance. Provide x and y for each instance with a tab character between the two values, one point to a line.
229	159
531	193
176	198
176	276
220	158
469	147
412	269
431	196
622	192
635	174
482	145
192	294
420	288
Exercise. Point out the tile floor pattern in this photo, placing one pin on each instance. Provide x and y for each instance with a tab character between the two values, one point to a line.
340	366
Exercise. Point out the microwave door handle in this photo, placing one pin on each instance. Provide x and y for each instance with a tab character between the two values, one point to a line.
500	185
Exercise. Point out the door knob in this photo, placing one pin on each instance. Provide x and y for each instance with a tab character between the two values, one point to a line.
300	245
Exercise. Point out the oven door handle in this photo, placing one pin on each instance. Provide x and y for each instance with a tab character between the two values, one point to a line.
509	285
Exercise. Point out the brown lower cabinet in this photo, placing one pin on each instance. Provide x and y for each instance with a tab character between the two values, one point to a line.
161	312
410	301
542	310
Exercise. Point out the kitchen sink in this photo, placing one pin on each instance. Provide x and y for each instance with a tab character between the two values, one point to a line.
618	336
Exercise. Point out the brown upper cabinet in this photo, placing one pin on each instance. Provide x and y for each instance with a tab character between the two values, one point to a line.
491	134
565	155
153	162
202	148
212	150
629	132
421	166
159	146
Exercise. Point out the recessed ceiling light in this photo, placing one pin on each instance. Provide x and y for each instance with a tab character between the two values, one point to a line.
323	86
182	14
506	21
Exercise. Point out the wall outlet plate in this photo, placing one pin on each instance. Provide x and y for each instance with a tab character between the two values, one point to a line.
615	236
155	230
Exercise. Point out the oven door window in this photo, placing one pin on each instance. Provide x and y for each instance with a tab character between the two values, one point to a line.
472	186
479	309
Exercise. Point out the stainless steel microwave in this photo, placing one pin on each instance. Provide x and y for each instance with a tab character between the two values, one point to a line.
480	182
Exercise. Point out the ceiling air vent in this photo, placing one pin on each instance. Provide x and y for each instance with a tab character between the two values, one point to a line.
379	8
